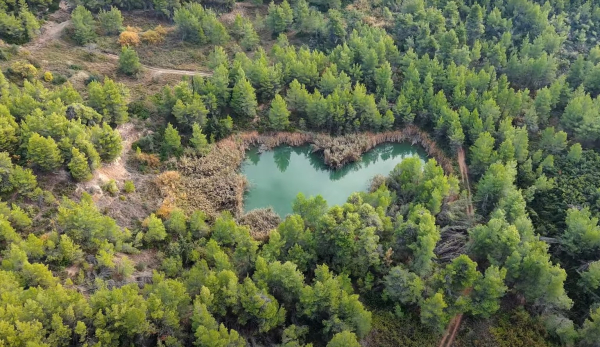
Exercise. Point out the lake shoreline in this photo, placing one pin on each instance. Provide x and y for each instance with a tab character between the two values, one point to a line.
341	150
275	177
214	183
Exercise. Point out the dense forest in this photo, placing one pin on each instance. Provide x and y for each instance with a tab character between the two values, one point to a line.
493	241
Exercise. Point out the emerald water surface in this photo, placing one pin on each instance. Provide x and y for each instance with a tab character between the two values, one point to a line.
276	177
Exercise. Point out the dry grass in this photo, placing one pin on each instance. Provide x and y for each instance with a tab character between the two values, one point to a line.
260	221
211	183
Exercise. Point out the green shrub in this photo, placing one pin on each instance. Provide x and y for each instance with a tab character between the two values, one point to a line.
129	187
111	187
59	79
23	70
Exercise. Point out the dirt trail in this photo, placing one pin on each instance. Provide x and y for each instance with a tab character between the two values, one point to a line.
158	70
51	31
452	329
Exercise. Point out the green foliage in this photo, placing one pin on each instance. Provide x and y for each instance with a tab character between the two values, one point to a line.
582	234
198	25
487	291
280	17
198	141
111	21
243	99
84	27
418	183
19	25
190	113
111	187
43	152
109	99
518	327
129	62
78	166
128	187
403	286
345	338
279	114
171	145
85	225
108	142
156	229
590	279
433	314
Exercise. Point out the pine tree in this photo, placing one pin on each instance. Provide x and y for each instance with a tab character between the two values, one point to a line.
344	339
279	114
84	26
156	229
198	140
433	312
280	17
129	62
78	166
111	21
475	27
190	113
220	80
108	142
243	99
171	145
44	152
8	131
249	38
383	81
115	102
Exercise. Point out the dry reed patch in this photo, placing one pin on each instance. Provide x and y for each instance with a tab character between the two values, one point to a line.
212	183
260	221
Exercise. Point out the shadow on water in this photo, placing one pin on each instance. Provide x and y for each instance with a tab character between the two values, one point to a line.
277	176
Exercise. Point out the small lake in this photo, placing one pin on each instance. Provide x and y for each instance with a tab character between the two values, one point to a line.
276	177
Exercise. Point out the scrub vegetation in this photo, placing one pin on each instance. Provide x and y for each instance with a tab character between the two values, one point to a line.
123	125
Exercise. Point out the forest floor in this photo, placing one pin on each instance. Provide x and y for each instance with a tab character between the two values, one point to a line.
128	209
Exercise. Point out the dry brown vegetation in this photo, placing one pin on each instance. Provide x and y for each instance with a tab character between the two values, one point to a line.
212	183
341	150
260	221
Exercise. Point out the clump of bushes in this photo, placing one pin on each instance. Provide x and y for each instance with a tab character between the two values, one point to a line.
130	37
111	187
48	77
22	70
129	187
155	36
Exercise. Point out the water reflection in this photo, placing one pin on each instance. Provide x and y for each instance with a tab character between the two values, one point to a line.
277	176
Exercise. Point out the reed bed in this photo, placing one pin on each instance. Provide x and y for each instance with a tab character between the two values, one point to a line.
212	183
260	221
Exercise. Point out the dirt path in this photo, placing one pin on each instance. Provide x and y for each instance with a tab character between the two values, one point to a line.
51	31
158	70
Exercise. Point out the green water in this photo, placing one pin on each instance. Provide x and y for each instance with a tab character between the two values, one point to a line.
277	176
